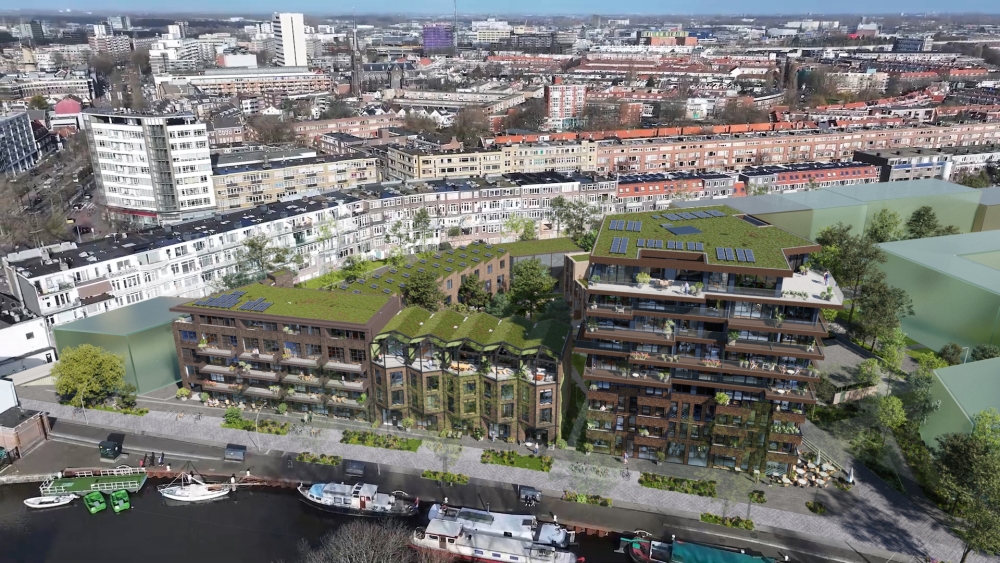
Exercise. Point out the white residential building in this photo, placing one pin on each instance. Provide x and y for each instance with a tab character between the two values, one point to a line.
151	168
18	151
290	39
24	338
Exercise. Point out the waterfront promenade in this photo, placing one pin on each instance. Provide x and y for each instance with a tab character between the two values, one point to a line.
870	517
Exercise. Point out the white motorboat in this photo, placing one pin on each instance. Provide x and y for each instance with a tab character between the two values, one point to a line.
454	539
49	502
192	489
519	526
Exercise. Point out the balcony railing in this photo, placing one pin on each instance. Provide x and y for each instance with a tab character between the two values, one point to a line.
341	365
775	348
216	350
262	356
353	385
310	361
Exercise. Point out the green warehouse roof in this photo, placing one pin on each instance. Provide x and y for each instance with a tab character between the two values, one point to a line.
130	319
971	257
963	390
307	303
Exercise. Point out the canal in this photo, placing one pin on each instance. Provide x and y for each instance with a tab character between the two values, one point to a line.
252	525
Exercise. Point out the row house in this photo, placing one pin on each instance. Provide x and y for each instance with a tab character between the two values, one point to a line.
809	175
700	332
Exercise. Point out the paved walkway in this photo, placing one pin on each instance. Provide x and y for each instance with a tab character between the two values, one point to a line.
878	516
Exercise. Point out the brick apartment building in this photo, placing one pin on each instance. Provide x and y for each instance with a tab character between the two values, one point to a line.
807	175
682	307
353	351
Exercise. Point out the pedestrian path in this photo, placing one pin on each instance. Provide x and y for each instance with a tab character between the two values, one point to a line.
880	517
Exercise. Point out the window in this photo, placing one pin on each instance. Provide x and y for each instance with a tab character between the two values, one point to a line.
357	356
448	284
470	407
545	397
397	397
470	387
506	392
433	383
395	378
487	390
31	335
524	412
507	410
433	402
186	336
546	415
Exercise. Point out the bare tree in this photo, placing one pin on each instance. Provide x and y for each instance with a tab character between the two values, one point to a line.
384	541
271	130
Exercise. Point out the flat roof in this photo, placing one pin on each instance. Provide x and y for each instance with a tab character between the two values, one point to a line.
971	257
305	303
544	246
973	385
727	231
128	319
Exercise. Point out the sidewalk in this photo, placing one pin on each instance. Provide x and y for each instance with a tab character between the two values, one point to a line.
877	516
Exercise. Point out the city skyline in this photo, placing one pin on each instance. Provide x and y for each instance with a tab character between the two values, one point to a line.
514	8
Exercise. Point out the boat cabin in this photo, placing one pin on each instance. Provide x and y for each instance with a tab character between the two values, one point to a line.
454	538
360	496
519	526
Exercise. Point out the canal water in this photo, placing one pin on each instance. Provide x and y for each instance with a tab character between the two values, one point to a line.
251	526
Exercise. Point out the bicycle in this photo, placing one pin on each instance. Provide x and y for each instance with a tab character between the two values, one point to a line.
197	416
626	474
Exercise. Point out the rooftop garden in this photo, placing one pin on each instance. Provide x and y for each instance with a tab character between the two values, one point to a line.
543	246
727	232
388	279
450	326
309	303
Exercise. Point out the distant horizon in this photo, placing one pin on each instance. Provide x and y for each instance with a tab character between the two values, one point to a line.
512	8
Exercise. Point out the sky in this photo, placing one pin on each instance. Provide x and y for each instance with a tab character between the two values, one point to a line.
523	7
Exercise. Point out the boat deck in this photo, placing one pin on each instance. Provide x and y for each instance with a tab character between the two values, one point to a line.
82	482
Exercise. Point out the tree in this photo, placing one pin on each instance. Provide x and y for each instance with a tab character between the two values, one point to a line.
472	292
924	223
885	227
499	305
951	353
270	130
892	86
530	285
470	125
419	123
38	101
892	349
338	109
366	541
264	58
559	210
963	464
980	179
918	402
87	374
883	306
889	413
980	530
851	259
356	267
869	372
986	429
580	216
102	64
984	352
530	115
832	239
421	224
140	60
58	59
258	256
422	289
672	112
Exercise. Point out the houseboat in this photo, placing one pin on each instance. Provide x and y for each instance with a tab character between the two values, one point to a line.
454	539
642	549
518	526
81	481
360	499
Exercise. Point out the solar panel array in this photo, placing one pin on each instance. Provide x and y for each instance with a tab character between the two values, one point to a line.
619	245
256	305
686	216
738	255
230	300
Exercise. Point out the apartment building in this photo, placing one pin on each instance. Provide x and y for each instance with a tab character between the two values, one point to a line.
251	81
289	40
68	281
907	163
117	46
18	151
407	162
246	179
808	175
151	168
488	102
970	160
564	104
225	131
684	308
364	126
635	189
79	83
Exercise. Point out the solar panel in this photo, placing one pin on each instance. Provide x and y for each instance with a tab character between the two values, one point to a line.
376	276
654	216
720	253
638	226
423	261
666	225
386	291
621	225
373	286
670	245
729	255
686	216
623	247
641	243
673	217
749	254
201	302
659	244
702	214
699	246
615	242
740	255
449	269
684	230
389	280
462	264
421	270
393	270
715	213
343	286
406	275
239	293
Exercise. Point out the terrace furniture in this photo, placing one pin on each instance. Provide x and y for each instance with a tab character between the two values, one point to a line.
802	482
619	309
785	481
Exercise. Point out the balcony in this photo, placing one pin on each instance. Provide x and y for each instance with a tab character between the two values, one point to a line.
295	379
656	289
261	375
308	362
299	397
800	395
218	370
338	401
387	360
264	357
350	385
341	365
262	392
791	326
217	351
812	351
209	385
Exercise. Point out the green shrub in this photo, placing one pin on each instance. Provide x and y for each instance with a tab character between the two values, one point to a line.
321	459
183	392
373	440
204	397
445	477
816	507
678	485
586	499
233	416
757	497
282	408
731	522
514	459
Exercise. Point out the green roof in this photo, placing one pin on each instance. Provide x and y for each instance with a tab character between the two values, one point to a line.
450	326
457	260
544	246
580	257
733	232
310	303
971	257
129	319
